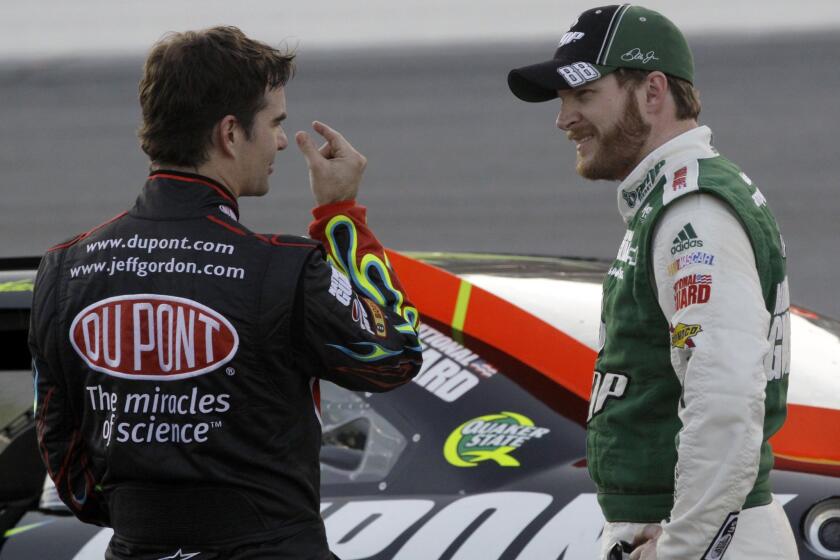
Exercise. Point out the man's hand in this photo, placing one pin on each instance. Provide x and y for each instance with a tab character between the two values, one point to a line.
644	543
335	169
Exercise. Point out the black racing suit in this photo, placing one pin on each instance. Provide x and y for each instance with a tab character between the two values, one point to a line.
177	357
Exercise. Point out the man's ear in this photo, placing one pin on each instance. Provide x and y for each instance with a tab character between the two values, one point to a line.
656	92
227	134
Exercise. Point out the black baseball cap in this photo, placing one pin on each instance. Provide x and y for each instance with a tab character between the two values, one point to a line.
601	41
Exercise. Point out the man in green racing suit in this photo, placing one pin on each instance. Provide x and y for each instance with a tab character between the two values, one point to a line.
691	376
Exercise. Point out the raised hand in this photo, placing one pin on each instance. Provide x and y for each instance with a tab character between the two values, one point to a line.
335	169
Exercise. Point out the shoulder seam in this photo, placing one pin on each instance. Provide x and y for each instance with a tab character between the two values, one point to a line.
272	240
86	234
226	225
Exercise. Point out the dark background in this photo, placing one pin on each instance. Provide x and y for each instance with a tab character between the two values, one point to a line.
455	161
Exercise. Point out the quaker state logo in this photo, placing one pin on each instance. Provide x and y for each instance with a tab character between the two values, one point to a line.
492	437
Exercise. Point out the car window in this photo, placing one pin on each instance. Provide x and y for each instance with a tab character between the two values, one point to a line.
358	444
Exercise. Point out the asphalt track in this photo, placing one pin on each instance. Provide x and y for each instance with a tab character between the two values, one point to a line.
455	161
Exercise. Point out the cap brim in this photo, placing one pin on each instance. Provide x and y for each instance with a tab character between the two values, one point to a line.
540	82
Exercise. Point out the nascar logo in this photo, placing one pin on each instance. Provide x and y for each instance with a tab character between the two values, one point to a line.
148	336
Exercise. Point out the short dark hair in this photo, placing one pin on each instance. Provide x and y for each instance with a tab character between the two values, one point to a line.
686	97
192	80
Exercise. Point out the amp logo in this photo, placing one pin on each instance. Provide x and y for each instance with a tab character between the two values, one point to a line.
605	386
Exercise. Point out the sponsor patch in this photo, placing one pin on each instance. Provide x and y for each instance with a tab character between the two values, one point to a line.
227	211
143	267
697	257
340	287
627	252
686	239
149	336
679	179
643	215
380	325
759	199
745	178
157	416
682	334
683	180
639	193
571	37
626	256
359	315
777	362
692	289
723	538
605	387
492	437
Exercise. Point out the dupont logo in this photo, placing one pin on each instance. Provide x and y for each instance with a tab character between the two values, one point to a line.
152	337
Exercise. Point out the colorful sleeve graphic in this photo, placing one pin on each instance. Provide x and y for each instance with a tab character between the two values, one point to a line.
354	250
358	320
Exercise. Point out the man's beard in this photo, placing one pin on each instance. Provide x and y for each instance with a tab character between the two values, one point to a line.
619	148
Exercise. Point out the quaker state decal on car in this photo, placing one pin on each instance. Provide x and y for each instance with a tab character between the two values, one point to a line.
492	437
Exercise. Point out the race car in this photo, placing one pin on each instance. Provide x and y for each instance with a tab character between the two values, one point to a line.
482	456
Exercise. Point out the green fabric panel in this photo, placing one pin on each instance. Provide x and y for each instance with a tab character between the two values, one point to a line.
631	447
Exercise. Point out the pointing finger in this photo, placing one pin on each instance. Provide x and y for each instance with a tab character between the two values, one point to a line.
329	133
307	147
338	143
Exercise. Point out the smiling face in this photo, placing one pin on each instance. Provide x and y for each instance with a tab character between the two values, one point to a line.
256	154
603	119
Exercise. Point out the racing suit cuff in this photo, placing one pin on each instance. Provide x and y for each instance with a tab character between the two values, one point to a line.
334	208
323	214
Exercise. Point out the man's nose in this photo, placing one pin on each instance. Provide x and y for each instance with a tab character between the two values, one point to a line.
566	118
282	141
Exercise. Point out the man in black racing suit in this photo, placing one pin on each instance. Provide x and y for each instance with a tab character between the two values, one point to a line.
177	354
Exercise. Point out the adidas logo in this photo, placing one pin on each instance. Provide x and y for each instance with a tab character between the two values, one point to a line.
685	239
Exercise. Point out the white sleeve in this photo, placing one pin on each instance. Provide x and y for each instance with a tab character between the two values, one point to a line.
709	291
